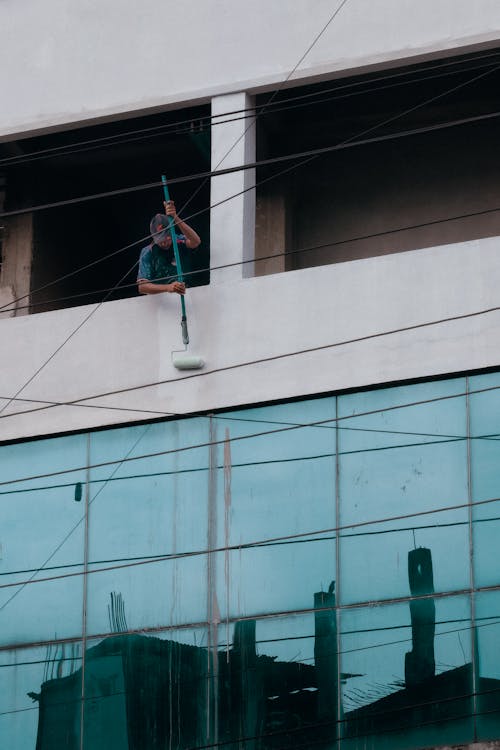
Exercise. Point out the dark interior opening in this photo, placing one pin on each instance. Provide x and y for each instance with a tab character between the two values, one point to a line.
134	152
394	192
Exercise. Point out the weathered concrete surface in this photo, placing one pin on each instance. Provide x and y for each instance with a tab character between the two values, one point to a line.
17	252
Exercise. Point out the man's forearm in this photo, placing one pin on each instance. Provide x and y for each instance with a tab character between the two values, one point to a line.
147	287
191	236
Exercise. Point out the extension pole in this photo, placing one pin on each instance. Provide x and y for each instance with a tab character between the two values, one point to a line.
184	328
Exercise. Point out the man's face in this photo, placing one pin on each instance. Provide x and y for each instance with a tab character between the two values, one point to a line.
164	240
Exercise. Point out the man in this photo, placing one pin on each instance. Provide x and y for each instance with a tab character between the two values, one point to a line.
157	268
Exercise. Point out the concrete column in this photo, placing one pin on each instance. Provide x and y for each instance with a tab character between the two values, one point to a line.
271	230
17	253
232	225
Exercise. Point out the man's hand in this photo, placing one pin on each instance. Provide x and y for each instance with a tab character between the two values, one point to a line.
170	210
177	287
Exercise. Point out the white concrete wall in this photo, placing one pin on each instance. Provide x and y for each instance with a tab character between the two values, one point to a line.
128	343
68	62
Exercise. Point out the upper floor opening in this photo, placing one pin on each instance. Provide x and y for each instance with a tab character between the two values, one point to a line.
414	163
384	162
57	255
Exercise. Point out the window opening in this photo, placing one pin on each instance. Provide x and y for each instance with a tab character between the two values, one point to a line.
66	238
350	202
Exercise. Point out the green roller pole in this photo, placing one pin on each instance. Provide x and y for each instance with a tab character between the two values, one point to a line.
184	328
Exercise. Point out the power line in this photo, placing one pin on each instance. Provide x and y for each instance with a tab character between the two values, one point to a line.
287	542
185	126
77	524
264	542
259	110
286	428
264	462
247	363
312	153
351	716
345	144
366	131
351	142
494	620
56	351
285	253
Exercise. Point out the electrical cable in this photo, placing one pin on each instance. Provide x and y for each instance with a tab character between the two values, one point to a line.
238	438
345	144
310	98
330	538
250	464
258	183
285	253
308	726
301	163
265	542
283	639
105	484
80	521
248	363
56	351
391	118
211	117
351	142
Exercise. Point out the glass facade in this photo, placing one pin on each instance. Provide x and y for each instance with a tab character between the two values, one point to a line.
320	573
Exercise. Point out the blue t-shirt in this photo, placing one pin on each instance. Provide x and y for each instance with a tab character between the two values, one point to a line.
157	264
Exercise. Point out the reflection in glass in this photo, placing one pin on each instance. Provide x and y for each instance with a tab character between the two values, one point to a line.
40	691
295	636
411	670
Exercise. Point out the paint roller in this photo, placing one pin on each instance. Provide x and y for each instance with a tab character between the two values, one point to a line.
182	360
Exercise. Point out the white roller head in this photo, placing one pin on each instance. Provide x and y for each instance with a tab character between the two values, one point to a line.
188	361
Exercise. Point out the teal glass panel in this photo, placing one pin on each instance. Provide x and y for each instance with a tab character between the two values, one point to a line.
485	476
149	691
280	680
271	491
41	536
142	512
407	674
488	678
398	462
34	712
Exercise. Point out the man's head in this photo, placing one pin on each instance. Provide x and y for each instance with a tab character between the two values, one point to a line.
159	228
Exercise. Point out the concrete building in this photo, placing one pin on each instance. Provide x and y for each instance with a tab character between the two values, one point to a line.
312	517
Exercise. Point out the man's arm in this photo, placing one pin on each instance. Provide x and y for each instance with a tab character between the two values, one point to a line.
192	238
147	287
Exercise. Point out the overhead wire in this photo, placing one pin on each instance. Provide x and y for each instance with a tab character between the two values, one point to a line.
331	537
79	522
247	363
391	118
239	438
285	253
301	163
91	313
35	374
445	440
258	109
323	29
184	126
241	546
308	154
349	143
351	716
